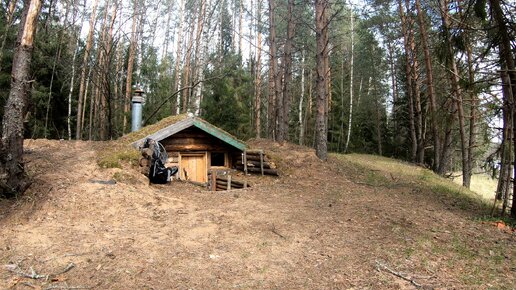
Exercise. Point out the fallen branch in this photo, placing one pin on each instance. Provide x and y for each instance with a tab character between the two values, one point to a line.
69	267
397	274
273	229
68	287
13	268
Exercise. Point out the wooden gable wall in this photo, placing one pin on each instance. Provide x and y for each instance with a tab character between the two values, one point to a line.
195	139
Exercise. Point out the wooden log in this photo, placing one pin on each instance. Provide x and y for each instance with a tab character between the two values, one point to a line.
257	158
244	161
232	181
256	164
254	151
257	170
229	182
214	181
261	162
144	162
225	184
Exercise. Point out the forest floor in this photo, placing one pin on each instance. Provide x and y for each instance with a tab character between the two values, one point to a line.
354	222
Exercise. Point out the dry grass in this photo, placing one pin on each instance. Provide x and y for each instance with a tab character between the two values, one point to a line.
396	172
481	184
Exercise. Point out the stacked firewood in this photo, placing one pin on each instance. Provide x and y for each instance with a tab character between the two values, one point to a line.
225	182
256	161
145	161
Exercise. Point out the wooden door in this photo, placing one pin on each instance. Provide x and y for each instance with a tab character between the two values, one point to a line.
193	166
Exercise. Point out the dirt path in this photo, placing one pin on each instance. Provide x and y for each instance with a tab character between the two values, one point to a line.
320	226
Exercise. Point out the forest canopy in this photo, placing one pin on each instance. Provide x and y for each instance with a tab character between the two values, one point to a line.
430	82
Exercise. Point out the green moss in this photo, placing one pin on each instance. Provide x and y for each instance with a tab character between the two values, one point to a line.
113	156
147	130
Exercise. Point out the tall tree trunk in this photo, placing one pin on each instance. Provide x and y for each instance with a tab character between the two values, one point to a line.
258	73
350	118
200	51
301	98
187	69
101	75
284	111
508	77
178	60
240	26
51	85
456	92
70	92
82	85
430	84
378	122
272	72
130	65
394	86
13	178
409	88
321	34
418	113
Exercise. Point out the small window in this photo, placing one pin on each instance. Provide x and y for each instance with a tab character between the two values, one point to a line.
218	159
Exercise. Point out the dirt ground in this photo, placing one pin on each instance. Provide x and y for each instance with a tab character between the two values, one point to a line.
321	225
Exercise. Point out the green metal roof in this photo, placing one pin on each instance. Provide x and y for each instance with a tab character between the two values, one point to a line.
196	122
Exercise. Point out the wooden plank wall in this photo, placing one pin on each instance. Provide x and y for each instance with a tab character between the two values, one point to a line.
194	139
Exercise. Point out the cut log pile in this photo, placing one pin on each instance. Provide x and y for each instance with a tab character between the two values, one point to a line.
256	161
226	182
145	161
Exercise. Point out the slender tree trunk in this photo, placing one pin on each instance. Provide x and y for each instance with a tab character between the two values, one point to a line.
301	98
68	119
350	118
130	65
272	72
240	26
378	122
473	110
13	178
418	113
178	60
409	89
82	85
83	115
321	28
456	92
258	73
49	99
430	84
187	69
508	77
283	118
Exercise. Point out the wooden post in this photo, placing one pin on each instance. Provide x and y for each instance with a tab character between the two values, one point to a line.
261	161
245	162
229	182
214	180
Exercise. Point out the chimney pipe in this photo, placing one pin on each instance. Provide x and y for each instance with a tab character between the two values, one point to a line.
136	110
